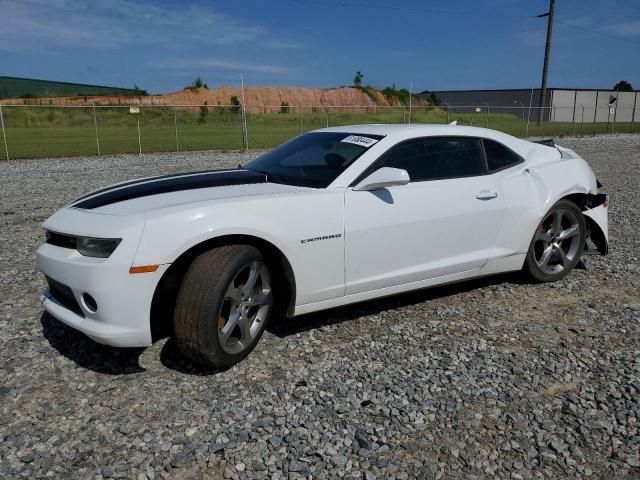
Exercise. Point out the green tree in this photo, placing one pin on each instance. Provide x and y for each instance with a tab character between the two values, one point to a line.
623	86
284	107
196	84
357	79
235	104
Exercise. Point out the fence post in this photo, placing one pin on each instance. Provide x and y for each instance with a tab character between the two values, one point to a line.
582	121
139	136
488	109
4	133
245	129
175	127
95	125
523	110
615	111
447	113
300	115
353	115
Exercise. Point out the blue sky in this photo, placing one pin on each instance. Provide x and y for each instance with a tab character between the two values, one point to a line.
161	45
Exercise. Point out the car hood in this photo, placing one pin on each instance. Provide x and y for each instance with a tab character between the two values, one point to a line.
155	193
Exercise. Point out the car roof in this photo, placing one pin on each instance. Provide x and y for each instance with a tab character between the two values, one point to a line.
404	131
418	129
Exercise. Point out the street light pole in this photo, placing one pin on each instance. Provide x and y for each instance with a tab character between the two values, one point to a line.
547	51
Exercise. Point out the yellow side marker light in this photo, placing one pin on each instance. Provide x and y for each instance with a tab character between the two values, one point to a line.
143	269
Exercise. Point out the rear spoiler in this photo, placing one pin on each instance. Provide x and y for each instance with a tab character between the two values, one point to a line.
564	152
549	142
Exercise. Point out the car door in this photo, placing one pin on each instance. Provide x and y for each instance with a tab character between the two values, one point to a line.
443	222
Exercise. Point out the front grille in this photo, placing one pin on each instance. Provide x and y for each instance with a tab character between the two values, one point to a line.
64	296
61	240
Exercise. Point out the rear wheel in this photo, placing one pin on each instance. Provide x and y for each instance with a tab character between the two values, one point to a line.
557	244
223	305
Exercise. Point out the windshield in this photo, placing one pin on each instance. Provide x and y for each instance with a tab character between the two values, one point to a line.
313	159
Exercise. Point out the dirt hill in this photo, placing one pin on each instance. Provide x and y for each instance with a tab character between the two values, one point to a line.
258	99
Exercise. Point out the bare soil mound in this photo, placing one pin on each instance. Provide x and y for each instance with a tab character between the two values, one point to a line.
258	99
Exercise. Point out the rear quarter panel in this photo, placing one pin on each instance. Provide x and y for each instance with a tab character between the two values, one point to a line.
551	178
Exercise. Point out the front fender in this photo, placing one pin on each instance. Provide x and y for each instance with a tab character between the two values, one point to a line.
284	221
161	244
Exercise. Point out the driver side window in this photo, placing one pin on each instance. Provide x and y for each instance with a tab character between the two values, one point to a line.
438	158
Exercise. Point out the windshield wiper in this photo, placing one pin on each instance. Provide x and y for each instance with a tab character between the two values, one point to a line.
274	177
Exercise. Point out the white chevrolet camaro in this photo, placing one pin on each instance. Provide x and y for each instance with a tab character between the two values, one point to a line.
332	217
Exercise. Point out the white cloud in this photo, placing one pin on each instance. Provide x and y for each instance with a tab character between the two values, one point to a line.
624	29
116	23
619	26
583	21
227	65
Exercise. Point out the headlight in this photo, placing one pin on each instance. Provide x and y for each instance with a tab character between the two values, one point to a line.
96	247
87	246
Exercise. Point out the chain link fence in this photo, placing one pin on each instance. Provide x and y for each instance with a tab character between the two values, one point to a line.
41	131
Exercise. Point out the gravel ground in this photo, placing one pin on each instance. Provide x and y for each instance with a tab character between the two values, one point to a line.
492	378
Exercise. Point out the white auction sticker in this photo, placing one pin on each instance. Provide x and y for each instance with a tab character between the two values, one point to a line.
358	140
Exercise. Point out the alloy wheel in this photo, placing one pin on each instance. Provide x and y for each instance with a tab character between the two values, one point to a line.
557	241
245	307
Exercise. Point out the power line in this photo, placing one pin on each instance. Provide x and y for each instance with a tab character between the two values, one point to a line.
598	32
344	3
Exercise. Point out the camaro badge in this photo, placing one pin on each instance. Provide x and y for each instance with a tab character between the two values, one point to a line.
317	239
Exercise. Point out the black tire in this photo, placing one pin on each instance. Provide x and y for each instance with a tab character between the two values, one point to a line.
570	216
201	299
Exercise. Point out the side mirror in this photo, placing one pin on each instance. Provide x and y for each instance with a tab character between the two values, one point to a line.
382	178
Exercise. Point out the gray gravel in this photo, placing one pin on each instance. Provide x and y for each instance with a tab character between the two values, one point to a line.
492	378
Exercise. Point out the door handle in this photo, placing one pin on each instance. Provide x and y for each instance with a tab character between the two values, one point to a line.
486	195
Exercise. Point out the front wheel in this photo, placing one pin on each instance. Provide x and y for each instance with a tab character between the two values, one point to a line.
557	244
223	305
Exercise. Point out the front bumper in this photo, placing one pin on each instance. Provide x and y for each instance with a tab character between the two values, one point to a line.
598	225
122	318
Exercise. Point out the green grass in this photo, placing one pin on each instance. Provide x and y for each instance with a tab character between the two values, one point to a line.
39	132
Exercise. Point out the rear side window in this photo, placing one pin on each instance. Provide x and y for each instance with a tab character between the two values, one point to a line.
438	158
499	156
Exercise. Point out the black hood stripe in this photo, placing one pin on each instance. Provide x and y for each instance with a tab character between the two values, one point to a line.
149	179
167	184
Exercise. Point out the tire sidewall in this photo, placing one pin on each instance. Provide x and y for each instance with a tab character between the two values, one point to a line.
218	274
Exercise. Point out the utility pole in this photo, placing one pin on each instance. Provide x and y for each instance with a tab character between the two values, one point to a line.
547	51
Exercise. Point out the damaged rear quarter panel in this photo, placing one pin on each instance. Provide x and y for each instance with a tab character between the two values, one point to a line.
555	178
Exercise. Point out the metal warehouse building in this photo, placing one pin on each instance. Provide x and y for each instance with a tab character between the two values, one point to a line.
563	104
15	87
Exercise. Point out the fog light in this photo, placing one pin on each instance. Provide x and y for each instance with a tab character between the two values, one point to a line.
90	302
